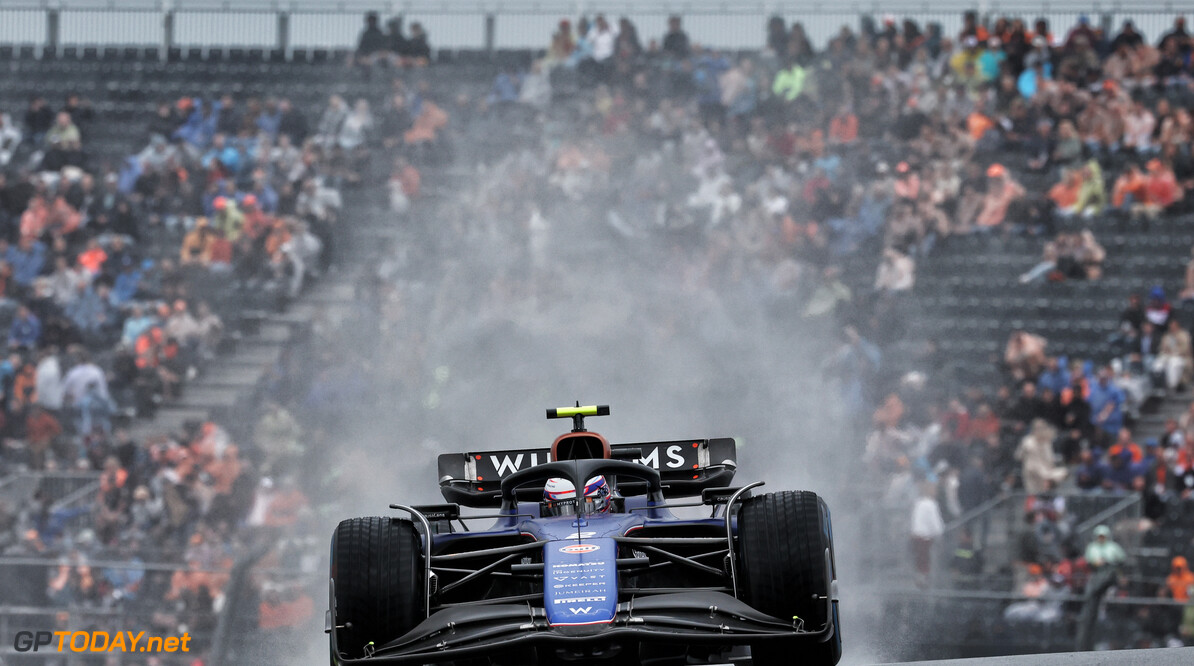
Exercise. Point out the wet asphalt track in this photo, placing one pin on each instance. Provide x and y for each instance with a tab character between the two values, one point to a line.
1157	657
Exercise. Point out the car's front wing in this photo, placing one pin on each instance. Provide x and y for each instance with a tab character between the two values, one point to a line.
694	617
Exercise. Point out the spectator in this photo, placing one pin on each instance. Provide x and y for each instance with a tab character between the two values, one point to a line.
1103	551
790	83
26	260
404	185
292	123
843	128
1091	473
39	118
227	219
94	411
25	330
1080	192
1002	192
1175	359
1049	258
1106	402
426	125
739	91
49	381
627	46
372	41
1179	582
82	375
1025	354
1130	189
10	139
1161	191
1158	310
675	42
196	246
1187	293
1040	472
562	45
356	126
418	49
210	329
927	527
331	121
536	88
896	272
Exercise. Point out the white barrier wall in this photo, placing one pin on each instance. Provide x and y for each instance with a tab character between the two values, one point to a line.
516	25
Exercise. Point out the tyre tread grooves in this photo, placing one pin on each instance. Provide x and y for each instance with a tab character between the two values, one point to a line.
376	565
782	540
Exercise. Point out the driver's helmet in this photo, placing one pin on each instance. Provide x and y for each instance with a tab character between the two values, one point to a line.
559	497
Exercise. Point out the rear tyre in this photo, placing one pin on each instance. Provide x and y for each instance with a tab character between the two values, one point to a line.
377	566
782	539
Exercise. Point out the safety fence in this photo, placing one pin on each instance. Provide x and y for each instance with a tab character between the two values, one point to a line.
73	608
951	624
284	27
999	529
53	488
996	531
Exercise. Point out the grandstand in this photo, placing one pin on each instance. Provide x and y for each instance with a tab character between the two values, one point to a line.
412	243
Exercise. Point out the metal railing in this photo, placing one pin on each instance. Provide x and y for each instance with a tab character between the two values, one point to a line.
54	486
27	605
949	623
997	528
492	25
15	619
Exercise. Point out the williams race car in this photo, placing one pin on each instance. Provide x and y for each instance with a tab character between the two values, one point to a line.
585	563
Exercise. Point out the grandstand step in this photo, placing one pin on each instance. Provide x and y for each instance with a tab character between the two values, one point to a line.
251	355
228	377
331	292
269	333
168	419
297	316
196	396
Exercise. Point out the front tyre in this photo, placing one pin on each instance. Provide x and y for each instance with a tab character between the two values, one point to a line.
782	539
378	570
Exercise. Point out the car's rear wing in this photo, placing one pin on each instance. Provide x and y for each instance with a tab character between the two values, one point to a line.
686	467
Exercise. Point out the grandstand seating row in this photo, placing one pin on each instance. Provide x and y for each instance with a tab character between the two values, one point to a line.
204	56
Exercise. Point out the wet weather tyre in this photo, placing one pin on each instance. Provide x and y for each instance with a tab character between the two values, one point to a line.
782	539
377	567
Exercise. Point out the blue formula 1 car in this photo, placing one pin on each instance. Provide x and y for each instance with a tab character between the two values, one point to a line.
585	563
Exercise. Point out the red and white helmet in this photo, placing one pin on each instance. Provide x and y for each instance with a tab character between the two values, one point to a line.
559	497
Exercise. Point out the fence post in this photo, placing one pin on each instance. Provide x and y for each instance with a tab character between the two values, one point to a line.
51	31
284	32
167	33
490	29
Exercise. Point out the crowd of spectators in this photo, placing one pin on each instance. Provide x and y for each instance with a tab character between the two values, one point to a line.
809	181
116	276
766	175
778	168
119	270
781	168
1073	121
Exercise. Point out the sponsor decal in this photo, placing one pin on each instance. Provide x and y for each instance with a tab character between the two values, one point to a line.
581	610
656	455
577	564
506	466
579	548
675	459
578	600
559	586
